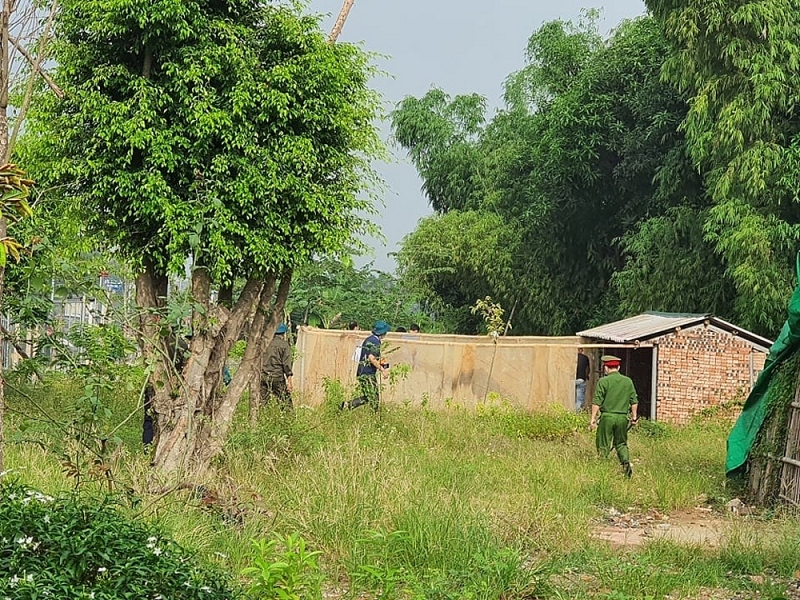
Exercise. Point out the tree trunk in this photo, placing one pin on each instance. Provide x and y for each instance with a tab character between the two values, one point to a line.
3	225
151	292
265	321
191	416
254	400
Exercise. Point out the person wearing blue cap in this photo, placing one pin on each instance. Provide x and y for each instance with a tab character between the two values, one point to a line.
276	370
369	366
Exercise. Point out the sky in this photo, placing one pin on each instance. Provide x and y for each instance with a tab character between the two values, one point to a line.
461	46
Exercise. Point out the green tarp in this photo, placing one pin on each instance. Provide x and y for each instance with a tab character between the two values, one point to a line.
747	426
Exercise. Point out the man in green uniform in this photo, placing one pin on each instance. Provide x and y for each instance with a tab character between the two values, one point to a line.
276	370
614	400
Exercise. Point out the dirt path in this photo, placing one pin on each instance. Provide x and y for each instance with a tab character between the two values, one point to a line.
697	526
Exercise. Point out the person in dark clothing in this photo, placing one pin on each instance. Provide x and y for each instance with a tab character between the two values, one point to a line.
276	370
353	326
581	377
368	368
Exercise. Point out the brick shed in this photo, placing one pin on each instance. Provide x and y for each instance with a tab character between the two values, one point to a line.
682	364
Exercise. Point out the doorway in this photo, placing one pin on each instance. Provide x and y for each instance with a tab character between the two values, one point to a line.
637	363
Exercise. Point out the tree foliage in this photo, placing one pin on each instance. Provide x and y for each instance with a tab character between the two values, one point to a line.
571	172
329	293
739	62
440	135
228	131
450	257
227	135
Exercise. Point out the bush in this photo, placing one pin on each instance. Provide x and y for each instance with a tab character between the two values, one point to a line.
335	394
67	548
652	429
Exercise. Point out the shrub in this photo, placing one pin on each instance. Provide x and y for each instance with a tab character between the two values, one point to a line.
335	394
68	548
652	429
284	569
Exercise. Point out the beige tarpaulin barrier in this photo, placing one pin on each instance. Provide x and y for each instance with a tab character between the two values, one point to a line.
531	372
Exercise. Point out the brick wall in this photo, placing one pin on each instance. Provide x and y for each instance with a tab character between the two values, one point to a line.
702	367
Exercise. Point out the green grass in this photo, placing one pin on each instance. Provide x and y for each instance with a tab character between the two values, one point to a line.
455	504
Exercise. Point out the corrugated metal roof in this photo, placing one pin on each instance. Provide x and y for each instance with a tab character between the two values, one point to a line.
653	324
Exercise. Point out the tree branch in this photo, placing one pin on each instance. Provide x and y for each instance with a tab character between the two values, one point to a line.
36	66
26	102
337	28
14	343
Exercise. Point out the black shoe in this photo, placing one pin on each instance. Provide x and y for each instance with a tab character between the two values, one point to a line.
628	471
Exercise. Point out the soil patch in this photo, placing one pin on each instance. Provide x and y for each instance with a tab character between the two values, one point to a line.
696	526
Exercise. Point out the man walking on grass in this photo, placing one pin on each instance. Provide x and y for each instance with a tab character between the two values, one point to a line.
615	401
369	365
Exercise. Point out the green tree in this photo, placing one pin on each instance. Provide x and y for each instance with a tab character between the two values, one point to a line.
456	258
441	135
556	54
739	62
586	150
227	135
670	267
604	157
330	293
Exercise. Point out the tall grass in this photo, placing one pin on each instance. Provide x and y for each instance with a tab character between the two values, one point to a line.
491	503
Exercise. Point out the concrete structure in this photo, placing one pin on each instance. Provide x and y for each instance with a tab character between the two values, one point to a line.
682	364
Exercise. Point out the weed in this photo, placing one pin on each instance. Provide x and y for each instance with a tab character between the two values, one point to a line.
284	570
379	571
335	394
651	429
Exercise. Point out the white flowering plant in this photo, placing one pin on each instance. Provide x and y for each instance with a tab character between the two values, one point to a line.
69	547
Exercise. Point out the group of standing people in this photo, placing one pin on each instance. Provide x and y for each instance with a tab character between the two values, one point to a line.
614	406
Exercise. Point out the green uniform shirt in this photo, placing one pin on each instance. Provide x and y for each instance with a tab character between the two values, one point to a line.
615	393
277	361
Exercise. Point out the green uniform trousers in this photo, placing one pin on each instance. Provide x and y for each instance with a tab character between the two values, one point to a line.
274	386
612	431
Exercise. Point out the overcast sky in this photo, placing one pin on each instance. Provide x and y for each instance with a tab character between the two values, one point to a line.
461	46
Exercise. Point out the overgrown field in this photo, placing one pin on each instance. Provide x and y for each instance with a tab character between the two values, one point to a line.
415	503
